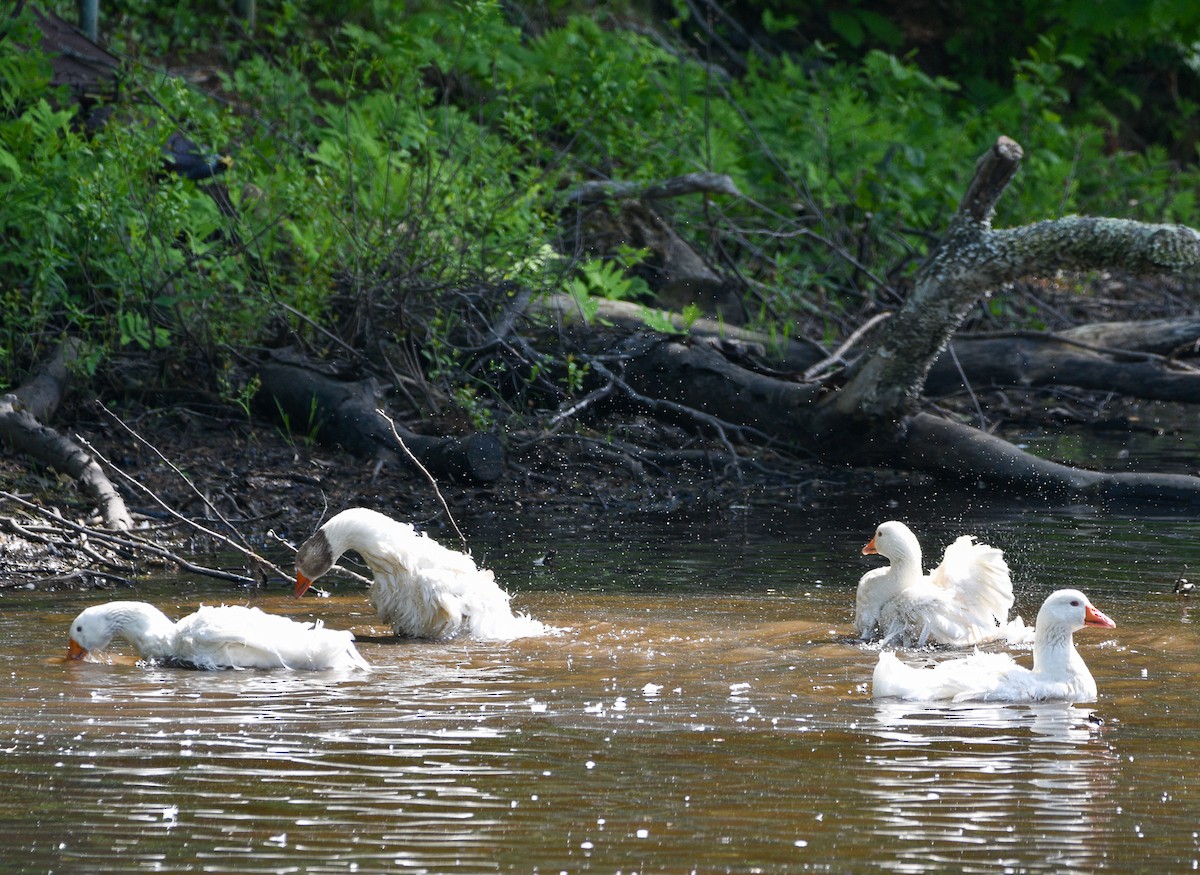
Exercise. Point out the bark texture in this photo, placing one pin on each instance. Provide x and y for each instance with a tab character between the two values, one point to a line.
346	413
971	260
874	418
23	413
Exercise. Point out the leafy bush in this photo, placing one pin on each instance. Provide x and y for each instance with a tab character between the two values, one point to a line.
385	155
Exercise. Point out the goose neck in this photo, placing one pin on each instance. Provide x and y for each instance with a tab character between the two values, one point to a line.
1054	650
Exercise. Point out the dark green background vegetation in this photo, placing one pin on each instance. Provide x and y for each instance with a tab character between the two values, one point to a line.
387	155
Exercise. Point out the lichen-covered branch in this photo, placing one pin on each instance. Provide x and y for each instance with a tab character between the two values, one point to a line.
973	260
1089	243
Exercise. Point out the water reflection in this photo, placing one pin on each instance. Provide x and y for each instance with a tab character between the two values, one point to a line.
707	713
980	785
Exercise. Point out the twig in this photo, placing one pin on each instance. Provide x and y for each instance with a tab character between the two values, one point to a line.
967	383
217	536
132	542
836	356
713	422
175	468
584	402
425	471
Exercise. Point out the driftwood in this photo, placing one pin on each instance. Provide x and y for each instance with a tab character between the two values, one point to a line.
346	414
23	414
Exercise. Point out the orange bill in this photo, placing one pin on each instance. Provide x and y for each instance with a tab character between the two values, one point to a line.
1093	617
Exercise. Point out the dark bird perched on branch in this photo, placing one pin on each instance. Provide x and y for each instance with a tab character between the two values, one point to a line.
185	158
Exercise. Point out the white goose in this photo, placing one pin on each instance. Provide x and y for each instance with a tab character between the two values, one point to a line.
962	602
230	636
424	590
1059	672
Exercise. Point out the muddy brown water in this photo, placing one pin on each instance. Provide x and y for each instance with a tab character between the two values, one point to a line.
701	711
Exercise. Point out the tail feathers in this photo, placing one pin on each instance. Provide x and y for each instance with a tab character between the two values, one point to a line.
444	602
496	627
1016	632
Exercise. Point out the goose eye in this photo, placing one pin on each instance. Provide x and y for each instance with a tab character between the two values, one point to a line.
1074	603
79	628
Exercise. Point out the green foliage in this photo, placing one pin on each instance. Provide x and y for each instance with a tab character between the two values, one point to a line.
383	152
607	279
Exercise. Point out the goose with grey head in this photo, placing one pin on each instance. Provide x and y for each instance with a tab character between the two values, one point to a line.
421	588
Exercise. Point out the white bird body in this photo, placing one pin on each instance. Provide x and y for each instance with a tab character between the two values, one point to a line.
229	636
421	588
963	602
1059	672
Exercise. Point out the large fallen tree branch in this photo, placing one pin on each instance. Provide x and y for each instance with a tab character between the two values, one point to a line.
973	259
873	418
23	414
1057	360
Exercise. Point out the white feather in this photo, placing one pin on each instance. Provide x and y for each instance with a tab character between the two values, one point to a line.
421	588
963	602
1059	672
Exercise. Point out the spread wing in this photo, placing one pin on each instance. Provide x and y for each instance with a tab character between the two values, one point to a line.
974	586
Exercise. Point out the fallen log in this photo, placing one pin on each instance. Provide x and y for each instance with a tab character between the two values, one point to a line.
1055	360
346	413
23	413
1130	358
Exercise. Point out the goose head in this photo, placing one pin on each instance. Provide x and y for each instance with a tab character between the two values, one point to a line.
91	630
1070	609
138	622
895	541
313	559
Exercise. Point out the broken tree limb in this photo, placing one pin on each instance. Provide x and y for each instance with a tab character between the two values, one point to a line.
947	448
783	353
344	413
696	375
677	186
22	415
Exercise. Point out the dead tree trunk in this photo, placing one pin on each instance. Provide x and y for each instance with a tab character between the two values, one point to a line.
872	417
1057	360
23	413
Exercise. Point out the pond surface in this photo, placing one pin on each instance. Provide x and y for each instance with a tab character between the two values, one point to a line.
702	711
